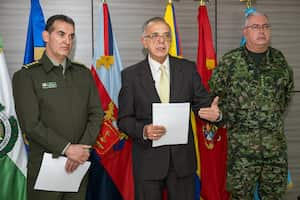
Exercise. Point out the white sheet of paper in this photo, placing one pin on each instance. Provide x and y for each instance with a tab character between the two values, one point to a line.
175	118
53	176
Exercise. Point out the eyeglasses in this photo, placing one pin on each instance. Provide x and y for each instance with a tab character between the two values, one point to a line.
257	27
156	36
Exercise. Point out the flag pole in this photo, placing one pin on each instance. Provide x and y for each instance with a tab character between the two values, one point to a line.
92	13
216	27
202	2
1	44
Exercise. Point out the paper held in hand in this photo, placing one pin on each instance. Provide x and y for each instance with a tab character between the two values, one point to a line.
53	176
175	118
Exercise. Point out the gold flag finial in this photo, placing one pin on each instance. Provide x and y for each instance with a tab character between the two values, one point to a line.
248	3
170	1
202	2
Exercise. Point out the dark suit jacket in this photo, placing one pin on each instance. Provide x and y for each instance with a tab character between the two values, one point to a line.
137	94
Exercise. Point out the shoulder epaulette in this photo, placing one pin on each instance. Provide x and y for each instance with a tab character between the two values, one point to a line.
78	63
27	66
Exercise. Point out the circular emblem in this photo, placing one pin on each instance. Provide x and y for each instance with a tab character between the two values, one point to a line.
8	132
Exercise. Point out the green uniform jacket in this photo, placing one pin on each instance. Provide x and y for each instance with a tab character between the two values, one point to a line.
252	96
54	109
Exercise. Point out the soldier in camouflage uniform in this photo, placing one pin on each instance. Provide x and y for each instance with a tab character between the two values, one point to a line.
254	84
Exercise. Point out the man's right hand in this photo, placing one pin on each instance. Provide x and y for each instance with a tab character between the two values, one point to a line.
154	132
78	152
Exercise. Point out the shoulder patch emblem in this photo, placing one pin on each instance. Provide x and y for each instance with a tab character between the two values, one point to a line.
8	132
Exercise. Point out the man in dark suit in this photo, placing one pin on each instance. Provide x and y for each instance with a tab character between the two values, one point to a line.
58	107
161	78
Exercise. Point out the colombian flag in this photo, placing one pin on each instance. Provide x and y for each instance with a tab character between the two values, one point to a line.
175	48
176	51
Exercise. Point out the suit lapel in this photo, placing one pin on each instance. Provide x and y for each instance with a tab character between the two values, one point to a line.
147	82
176	79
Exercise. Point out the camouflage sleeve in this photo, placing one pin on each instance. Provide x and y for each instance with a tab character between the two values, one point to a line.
290	85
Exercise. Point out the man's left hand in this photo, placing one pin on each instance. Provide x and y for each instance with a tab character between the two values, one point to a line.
71	165
211	113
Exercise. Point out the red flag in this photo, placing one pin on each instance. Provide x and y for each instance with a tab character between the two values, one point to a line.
117	162
212	141
206	59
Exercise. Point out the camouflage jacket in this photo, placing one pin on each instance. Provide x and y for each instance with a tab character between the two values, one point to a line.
252	96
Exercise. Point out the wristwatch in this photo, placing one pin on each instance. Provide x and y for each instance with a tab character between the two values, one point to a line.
220	117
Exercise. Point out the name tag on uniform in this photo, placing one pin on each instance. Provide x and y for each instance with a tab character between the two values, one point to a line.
49	85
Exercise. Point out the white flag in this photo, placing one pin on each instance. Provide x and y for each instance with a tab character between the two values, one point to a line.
13	158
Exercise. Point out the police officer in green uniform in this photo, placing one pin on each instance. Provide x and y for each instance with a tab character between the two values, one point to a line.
58	107
254	83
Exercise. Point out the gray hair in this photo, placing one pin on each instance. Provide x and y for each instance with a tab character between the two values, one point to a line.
145	26
154	19
254	14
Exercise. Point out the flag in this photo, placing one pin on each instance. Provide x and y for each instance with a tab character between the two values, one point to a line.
34	43
175	47
13	158
206	58
248	11
176	51
212	141
112	153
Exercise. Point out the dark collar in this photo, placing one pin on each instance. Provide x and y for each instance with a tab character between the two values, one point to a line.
48	65
266	57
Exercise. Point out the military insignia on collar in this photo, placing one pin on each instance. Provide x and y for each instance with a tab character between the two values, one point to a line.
27	66
8	132
49	85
